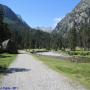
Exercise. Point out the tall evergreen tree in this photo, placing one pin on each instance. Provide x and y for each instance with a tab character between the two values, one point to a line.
72	37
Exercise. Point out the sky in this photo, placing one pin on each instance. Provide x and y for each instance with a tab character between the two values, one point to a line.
41	13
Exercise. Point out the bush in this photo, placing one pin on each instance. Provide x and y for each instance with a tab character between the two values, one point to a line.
83	53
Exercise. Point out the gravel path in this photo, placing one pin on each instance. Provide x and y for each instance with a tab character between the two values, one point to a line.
27	73
60	56
51	53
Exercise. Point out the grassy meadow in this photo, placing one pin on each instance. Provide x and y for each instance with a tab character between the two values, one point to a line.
5	61
77	71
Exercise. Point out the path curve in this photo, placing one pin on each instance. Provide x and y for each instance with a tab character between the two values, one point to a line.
27	73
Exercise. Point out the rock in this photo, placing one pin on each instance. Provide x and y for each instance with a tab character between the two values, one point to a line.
77	18
9	46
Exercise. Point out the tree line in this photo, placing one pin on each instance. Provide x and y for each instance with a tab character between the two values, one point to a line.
73	38
34	38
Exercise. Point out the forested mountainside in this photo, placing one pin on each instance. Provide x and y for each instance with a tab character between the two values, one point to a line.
74	28
71	32
11	26
15	28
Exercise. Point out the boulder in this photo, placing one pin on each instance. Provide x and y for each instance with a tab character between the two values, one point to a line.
9	46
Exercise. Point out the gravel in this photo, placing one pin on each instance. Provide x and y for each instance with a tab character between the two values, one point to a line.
28	73
51	53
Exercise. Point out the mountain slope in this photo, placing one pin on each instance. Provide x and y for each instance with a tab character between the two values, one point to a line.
79	16
13	27
11	18
74	28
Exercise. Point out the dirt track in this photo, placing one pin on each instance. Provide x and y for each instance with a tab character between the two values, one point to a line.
27	73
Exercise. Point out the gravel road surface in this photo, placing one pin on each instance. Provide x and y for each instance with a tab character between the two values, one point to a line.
28	73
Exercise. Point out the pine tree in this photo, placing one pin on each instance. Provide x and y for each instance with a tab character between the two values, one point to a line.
72	39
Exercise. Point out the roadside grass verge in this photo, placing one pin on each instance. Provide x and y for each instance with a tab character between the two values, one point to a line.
77	71
5	61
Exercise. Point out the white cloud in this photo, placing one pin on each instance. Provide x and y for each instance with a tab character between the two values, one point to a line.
56	20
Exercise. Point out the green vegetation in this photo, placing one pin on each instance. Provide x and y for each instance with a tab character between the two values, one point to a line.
4	31
72	39
77	71
26	37
5	61
81	53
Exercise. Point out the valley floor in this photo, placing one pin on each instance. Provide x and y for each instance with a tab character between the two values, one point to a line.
28	73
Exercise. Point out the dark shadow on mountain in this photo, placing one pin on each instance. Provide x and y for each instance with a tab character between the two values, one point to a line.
5	71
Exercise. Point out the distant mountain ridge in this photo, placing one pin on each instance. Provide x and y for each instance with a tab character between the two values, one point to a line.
46	29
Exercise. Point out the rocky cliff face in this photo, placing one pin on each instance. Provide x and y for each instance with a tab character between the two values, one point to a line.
77	18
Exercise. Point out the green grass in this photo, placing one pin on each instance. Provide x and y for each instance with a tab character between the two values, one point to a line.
5	61
79	53
77	71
